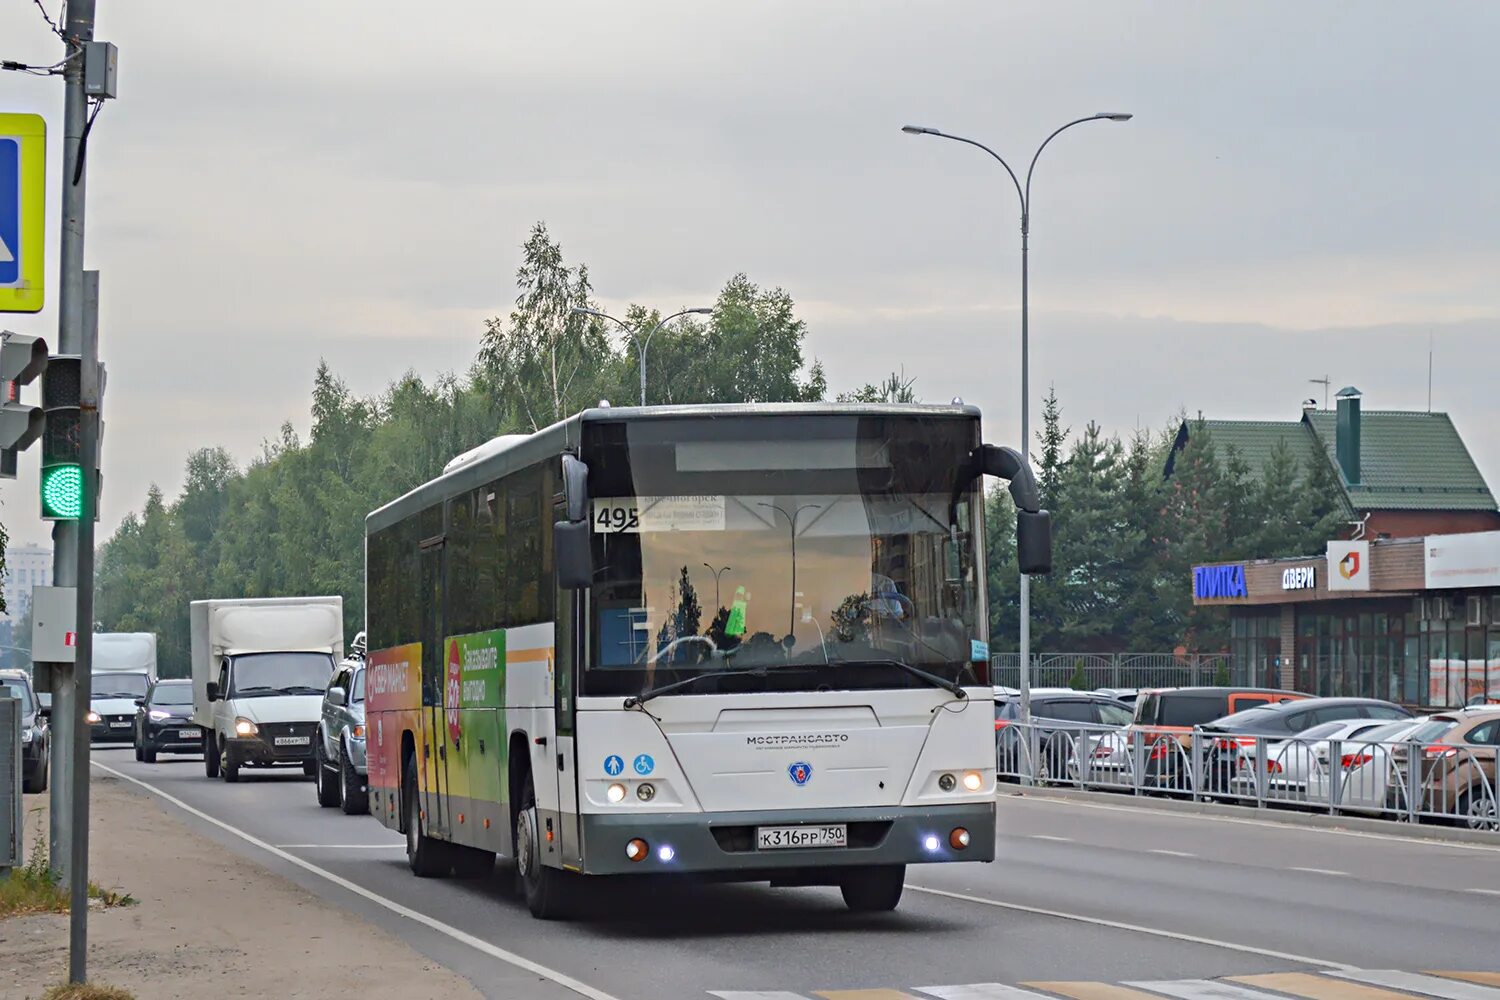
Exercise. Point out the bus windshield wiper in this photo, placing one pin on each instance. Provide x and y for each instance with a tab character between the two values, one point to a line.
951	687
637	700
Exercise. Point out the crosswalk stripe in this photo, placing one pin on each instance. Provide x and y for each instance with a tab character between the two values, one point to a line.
1092	991
755	995
875	994
979	991
1300	984
1415	983
1200	989
1482	978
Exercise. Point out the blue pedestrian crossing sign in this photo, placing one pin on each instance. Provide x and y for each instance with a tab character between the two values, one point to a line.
23	192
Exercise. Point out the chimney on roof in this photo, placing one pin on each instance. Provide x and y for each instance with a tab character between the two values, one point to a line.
1346	434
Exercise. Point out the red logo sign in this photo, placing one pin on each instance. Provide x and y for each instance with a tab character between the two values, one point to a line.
1349	565
455	691
70	638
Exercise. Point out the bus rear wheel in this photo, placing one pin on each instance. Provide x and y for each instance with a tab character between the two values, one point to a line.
542	886
427	856
873	890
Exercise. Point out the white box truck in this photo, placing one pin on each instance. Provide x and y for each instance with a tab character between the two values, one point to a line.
260	667
123	668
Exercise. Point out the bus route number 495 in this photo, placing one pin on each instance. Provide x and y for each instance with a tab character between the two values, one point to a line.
616	517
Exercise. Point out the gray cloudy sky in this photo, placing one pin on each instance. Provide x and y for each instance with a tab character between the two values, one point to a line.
1307	188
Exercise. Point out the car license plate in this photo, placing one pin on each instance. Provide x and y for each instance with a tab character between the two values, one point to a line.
773	838
119	725
189	734
293	741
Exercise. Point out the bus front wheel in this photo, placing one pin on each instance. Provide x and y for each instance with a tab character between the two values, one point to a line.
427	856
542	886
873	890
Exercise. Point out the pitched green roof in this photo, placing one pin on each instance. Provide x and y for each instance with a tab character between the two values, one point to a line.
1256	439
1408	461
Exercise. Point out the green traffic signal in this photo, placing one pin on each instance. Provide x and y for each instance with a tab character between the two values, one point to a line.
62	493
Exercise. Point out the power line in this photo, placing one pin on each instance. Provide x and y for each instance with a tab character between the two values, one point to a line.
48	18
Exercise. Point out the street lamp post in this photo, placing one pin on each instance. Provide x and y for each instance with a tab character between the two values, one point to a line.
718	602
640	344
792	518
1024	193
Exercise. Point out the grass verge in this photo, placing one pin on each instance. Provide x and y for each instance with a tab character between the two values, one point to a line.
86	991
35	889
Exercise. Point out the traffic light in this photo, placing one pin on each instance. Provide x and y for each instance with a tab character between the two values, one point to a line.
22	358
62	448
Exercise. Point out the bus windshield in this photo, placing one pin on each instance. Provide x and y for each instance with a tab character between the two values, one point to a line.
799	553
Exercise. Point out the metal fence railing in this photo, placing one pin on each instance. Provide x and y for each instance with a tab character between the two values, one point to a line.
1115	670
1412	781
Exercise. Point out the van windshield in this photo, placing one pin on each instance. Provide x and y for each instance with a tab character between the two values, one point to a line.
256	674
110	684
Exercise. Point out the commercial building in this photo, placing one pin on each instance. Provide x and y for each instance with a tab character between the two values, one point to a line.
26	566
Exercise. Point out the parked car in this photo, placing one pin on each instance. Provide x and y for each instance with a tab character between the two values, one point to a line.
339	744
1369	781
1061	717
1127	695
164	721
1235	750
1480	700
1290	764
1165	719
1459	769
36	735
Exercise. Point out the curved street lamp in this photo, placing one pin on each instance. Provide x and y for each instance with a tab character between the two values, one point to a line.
641	345
1024	193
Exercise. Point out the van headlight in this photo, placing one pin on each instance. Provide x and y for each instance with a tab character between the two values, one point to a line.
244	727
93	718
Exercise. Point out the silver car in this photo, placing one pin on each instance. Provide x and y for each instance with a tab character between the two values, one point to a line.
339	748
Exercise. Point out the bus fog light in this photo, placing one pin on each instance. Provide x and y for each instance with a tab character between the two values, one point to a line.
646	791
930	842
959	838
615	793
946	782
665	852
637	850
973	780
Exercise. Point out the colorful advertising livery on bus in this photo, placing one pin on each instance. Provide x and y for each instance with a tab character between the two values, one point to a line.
740	642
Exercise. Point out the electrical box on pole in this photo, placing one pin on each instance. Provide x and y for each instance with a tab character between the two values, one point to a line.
22	358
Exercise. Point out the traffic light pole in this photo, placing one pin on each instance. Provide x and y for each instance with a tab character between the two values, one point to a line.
68	710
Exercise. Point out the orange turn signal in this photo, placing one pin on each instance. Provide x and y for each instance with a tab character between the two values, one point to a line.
958	839
637	850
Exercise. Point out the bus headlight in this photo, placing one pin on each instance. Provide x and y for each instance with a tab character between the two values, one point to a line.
615	793
244	727
973	781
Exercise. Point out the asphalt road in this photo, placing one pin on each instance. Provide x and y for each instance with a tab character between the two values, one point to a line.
1080	892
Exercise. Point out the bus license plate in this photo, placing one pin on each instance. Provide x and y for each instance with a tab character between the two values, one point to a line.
293	741
772	838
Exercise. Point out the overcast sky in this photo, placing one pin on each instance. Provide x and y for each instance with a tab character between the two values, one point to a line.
1306	189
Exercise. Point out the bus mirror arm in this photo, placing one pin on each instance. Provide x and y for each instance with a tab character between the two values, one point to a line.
1033	525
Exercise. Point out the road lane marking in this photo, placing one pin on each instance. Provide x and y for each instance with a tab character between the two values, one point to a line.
1487	892
1301	984
1136	928
1482	978
1173	854
1318	871
876	994
1044	836
1456	845
755	995
342	847
1093	991
1414	983
979	991
463	937
1201	989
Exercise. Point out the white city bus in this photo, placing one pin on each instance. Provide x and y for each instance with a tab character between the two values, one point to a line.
741	642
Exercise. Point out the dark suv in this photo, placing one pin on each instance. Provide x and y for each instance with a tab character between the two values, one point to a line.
164	721
1235	749
1053	711
36	735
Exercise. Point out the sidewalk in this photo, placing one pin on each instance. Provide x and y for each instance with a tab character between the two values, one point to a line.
207	923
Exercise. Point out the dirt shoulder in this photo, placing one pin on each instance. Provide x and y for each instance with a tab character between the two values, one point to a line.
207	923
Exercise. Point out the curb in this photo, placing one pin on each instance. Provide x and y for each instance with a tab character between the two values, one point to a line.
1284	817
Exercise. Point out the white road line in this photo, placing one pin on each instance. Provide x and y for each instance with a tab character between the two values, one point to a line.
342	847
1318	871
1238	821
1411	982
1201	989
463	937
1137	928
755	995
979	991
1043	836
1174	854
1487	892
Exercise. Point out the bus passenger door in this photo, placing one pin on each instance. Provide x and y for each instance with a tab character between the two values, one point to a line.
432	753
566	638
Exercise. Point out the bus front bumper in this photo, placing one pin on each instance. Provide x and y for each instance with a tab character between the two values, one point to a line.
726	843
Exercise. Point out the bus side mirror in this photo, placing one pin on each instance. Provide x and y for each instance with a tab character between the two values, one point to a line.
1034	542
575	474
571	555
